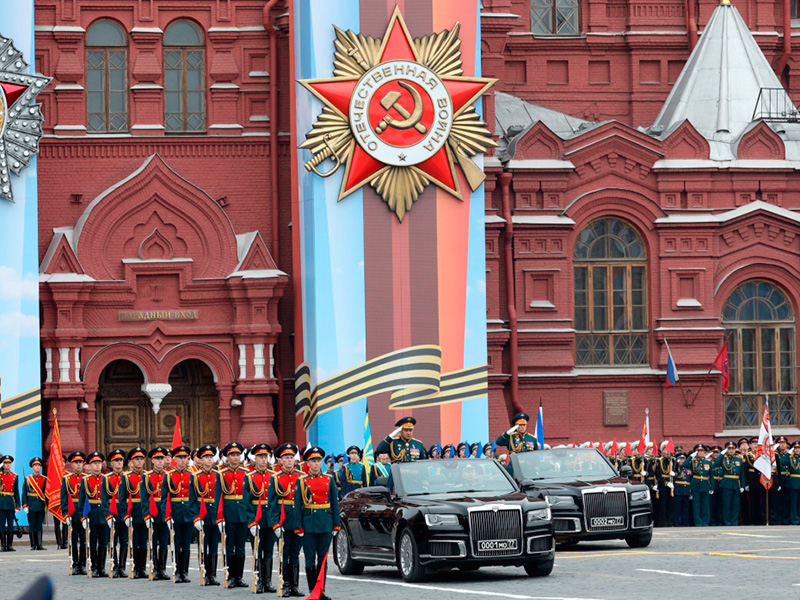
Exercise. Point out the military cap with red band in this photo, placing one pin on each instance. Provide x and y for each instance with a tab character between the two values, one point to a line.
76	456
180	451
158	452
261	449
520	419
137	452
406	423
116	454
313	452
95	457
207	450
284	449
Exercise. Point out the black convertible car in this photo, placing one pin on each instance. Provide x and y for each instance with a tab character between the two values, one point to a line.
465	513
590	500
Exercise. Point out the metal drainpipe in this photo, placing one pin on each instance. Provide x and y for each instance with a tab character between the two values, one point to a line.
787	38
273	180
508	248
691	24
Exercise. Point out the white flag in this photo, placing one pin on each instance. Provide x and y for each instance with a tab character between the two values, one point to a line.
766	450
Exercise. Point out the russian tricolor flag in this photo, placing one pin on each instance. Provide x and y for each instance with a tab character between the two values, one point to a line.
672	370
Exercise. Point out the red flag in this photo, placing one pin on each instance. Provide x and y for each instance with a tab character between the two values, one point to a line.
203	510
628	449
112	508
320	587
614	448
55	475
130	506
153	507
70	505
283	515
721	363
176	437
220	515
670	447
601	447
168	510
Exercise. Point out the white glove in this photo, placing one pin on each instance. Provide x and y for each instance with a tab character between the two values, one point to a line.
25	508
148	523
725	451
279	532
741	490
776	446
711	492
396	432
693	454
670	485
68	521
301	534
672	473
780	488
254	530
128	521
221	526
655	488
85	523
747	488
169	524
109	522
512	430
198	525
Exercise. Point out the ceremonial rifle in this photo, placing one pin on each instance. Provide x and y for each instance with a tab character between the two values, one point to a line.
224	556
200	556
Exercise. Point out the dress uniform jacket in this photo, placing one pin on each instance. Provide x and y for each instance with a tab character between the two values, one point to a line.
151	487
350	477
639	465
281	494
92	488
71	488
111	493
702	484
379	470
205	483
9	491
316	502
793	485
517	442
179	487
663	470
258	482
782	460
402	451
130	490
683	482
33	495
733	479
234	495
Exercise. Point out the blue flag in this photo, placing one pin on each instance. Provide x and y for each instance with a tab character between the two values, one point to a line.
672	370
452	451
479	451
439	449
494	447
540	428
87	508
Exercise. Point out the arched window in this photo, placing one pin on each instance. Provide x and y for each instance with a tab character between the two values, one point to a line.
610	275
760	320
106	78
184	78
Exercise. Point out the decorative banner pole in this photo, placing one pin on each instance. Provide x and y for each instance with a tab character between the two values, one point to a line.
388	219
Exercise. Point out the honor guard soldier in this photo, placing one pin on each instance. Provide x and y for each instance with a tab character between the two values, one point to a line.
154	513
663	469
178	490
403	448
683	482
119	545
317	503
34	502
732	483
517	439
258	482
92	492
282	516
133	510
793	483
353	475
70	496
702	484
234	497
9	503
381	467
205	481
639	466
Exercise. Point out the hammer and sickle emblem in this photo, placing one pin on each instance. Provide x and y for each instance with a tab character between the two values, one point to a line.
410	119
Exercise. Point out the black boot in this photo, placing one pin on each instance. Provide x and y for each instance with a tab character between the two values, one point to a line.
102	554
286	588
240	572
10	540
311	576
32	537
295	591
57	531
94	562
140	563
211	570
266	573
162	565
39	545
183	564
323	595
231	562
64	535
122	558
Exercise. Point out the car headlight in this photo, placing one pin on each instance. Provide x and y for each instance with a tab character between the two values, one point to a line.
433	520
559	500
641	496
543	514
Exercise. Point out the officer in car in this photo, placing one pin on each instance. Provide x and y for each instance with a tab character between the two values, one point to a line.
517	439
403	448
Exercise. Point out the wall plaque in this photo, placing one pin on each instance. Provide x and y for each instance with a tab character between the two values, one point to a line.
158	315
615	408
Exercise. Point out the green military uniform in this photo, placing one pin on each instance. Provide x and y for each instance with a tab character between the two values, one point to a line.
178	493
702	484
784	499
91	495
793	483
400	450
731	483
715	501
516	441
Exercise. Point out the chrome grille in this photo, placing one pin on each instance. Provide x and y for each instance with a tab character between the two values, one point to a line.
605	504
496	530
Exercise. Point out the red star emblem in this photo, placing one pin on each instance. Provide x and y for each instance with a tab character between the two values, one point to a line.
392	109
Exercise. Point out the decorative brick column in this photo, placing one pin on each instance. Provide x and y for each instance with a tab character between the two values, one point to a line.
70	98
147	95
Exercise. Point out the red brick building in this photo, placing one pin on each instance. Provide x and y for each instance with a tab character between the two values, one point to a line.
611	228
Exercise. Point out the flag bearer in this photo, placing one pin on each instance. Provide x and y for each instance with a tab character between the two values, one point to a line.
258	481
282	515
732	483
116	458
517	439
34	502
92	492
70	496
154	512
702	484
133	511
233	501
316	501
205	482
178	490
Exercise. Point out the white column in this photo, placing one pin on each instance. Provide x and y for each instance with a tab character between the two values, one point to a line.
63	364
258	360
48	365
156	393
77	364
272	361
242	361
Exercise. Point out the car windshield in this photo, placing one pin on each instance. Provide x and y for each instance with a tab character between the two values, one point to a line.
564	463
452	476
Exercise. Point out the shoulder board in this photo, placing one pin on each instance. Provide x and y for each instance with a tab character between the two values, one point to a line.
416	440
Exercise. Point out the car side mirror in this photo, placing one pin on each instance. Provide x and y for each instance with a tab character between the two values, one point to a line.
380	491
527	484
626	471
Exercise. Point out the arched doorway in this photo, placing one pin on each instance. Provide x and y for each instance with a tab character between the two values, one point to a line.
126	417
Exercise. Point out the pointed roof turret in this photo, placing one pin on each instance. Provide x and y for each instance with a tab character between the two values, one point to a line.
719	86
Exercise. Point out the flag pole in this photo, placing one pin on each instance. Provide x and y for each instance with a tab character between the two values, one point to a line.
702	383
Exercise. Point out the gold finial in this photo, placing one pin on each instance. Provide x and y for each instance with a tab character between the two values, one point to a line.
724	1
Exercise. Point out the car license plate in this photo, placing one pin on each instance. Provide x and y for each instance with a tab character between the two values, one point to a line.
486	545
606	521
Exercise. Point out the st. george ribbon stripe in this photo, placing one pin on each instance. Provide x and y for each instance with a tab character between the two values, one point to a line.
414	374
20	410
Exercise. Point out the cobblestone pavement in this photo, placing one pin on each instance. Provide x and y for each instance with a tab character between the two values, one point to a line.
713	563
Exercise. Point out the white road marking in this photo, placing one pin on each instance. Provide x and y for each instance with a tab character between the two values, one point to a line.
673	573
427	587
43	560
755	535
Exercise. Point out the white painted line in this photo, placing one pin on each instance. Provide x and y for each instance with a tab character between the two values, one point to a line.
673	573
43	560
755	535
454	590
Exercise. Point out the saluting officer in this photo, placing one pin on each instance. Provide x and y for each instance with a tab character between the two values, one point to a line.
154	512
133	510
205	482
116	458
70	497
732	483
235	498
353	475
9	502
404	448
34	502
517	439
258	481
178	489
683	482
92	490
282	516
701	485
316	499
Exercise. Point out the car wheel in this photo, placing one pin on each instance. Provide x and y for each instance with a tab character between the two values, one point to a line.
639	541
541	568
344	559
408	558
